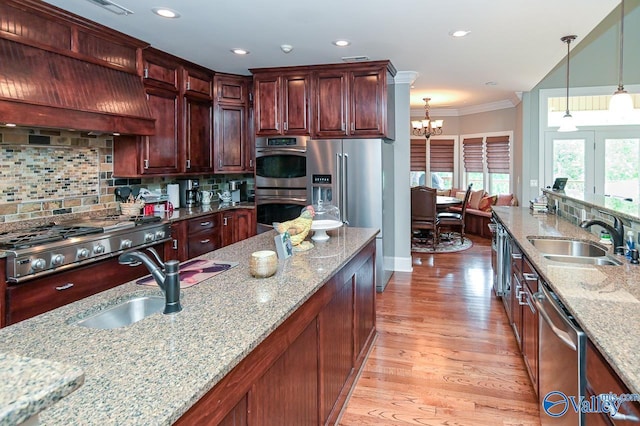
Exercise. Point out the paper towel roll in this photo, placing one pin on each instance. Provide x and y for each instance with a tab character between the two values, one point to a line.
173	193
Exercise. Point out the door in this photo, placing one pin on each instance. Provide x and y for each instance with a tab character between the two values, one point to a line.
331	104
362	174
230	137
160	151
571	155
366	95
199	143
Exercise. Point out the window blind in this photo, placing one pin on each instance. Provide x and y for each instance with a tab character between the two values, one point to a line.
418	155
498	154
441	155
472	154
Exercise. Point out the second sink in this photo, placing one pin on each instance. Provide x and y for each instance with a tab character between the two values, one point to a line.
568	247
125	313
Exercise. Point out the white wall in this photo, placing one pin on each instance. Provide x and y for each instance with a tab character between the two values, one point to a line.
401	183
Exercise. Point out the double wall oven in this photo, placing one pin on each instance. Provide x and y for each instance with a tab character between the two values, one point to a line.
281	179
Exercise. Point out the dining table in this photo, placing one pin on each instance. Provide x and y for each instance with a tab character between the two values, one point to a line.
443	202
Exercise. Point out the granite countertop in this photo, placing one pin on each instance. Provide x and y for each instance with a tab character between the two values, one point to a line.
605	300
29	385
153	371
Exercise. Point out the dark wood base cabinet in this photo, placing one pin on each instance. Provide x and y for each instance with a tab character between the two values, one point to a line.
301	374
601	379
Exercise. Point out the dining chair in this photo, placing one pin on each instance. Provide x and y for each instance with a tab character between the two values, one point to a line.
455	220
424	213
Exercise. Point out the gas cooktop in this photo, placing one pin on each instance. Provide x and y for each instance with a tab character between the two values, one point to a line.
50	248
43	235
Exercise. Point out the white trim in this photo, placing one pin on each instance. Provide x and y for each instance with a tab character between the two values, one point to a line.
457	112
400	264
406	77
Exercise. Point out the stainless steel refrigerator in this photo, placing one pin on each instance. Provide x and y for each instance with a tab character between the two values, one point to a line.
348	173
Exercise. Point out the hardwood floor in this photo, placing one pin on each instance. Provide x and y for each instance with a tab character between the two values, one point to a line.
445	354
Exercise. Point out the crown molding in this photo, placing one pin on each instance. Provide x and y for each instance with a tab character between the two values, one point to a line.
406	77
475	109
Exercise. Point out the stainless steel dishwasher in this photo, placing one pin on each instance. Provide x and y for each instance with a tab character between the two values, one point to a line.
562	362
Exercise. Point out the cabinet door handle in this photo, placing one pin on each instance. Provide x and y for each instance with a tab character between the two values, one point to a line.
188	85
188	164
250	163
286	126
207	223
530	277
146	164
145	73
220	162
342	127
277	126
175	245
205	241
64	287
225	221
516	256
353	126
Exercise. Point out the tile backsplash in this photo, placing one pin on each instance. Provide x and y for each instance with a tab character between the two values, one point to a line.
46	173
56	175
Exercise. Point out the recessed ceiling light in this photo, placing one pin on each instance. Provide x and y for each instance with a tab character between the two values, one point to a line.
342	43
459	33
491	83
165	12
240	51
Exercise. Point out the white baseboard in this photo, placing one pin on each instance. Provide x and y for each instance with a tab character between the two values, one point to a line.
398	264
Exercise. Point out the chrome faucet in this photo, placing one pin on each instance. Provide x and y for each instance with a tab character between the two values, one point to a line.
168	278
616	231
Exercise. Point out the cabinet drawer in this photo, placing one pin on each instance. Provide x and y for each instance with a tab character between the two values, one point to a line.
202	243
200	224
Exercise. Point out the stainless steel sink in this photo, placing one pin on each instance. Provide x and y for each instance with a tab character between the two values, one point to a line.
568	247
584	260
124	313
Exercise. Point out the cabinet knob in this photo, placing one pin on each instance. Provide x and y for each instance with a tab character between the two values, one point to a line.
146	164
188	164
175	245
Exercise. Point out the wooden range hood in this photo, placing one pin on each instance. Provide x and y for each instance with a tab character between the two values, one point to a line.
60	71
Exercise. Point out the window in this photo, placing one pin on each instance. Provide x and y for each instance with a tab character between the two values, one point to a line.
604	161
487	162
441	162
418	161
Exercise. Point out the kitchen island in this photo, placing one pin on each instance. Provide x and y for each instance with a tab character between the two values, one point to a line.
604	300
156	370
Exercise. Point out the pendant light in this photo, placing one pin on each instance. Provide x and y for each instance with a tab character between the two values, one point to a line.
567	124
621	102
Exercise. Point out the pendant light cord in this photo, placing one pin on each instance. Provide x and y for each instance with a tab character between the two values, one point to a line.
568	39
620	86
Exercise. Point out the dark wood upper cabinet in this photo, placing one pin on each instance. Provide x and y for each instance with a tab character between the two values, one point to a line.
354	101
180	97
331	104
231	128
282	104
199	135
231	89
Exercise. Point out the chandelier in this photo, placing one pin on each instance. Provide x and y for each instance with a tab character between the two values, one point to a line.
427	127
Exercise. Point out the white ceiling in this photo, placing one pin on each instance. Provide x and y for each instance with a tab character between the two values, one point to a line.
513	43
